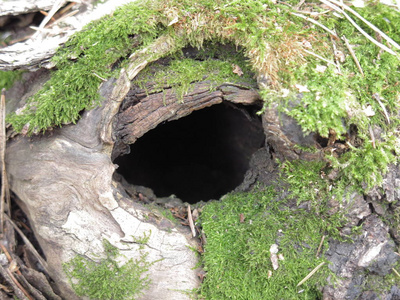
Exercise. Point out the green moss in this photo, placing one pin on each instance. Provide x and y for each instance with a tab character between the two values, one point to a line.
364	167
7	78
237	258
271	42
106	279
181	72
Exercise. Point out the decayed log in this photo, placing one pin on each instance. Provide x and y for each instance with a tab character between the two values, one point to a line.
64	179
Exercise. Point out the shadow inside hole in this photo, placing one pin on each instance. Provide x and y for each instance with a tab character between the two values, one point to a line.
199	157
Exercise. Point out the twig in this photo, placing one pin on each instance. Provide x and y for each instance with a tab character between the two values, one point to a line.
372	26
380	45
18	289
316	23
371	132
353	55
191	221
320	245
51	13
98	76
66	8
335	56
300	4
28	244
377	98
19	285
311	274
395	271
320	57
4	183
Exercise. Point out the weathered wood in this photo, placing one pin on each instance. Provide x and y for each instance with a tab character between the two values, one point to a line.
64	181
36	52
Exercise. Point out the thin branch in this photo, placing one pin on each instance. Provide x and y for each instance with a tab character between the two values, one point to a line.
320	57
52	12
380	45
395	271
11	280
191	224
353	55
320	245
377	98
311	273
4	183
28	244
372	26
371	133
316	23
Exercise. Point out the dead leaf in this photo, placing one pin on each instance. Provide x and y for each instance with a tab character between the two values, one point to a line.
241	216
237	70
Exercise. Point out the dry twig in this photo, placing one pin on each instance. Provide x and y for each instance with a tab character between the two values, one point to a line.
52	12
318	56
339	10
372	26
316	23
377	98
28	244
18	289
5	195
353	55
371	133
190	218
320	245
395	271
311	273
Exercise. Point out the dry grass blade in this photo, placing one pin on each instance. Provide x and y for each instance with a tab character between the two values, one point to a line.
339	10
28	244
377	98
353	55
372	26
320	245
371	133
318	56
395	271
316	23
311	273
191	224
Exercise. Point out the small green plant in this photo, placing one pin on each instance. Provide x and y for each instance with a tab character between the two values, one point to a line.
106	279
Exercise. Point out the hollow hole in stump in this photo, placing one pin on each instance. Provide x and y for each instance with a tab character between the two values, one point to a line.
199	157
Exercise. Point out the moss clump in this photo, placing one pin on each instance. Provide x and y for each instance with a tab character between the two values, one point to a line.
7	78
107	279
237	258
181	72
85	60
